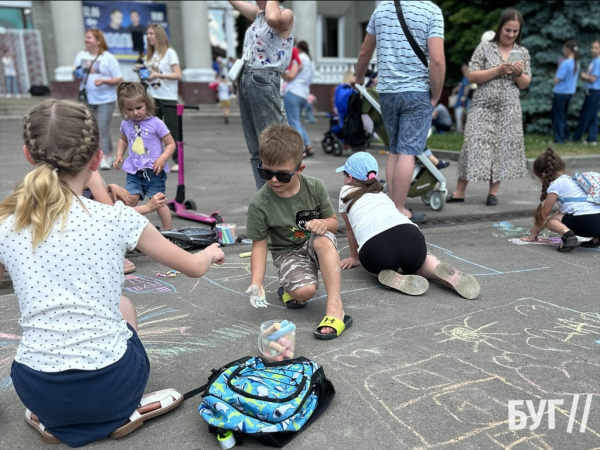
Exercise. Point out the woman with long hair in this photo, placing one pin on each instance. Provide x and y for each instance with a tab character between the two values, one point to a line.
165	73
494	147
100	71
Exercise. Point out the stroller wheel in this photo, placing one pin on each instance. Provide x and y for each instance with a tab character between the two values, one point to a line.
190	204
437	201
328	142
337	148
426	197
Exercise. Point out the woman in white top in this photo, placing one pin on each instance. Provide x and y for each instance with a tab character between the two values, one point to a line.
385	241
163	82
297	91
103	75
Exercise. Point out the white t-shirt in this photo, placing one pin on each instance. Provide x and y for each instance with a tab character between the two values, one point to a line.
9	67
300	85
566	188
106	66
224	90
371	214
161	88
69	289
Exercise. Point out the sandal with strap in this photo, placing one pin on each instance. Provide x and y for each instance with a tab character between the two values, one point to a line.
41	429
592	243
168	398
569	241
308	151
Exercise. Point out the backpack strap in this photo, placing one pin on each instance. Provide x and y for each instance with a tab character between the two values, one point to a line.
572	199
194	392
411	40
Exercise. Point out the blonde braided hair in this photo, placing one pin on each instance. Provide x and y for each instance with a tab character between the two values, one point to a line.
62	137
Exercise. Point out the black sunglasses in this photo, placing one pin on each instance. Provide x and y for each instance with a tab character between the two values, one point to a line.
282	177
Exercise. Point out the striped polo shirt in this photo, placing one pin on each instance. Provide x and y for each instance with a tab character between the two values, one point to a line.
399	68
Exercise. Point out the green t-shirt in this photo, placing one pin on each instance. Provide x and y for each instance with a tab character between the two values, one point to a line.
281	220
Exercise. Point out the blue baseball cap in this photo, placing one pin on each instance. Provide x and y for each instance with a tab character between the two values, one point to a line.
359	165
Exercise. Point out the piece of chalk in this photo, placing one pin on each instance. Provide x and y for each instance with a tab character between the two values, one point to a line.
275	346
275	327
282	332
273	352
284	323
229	235
292	355
284	342
245	255
278	358
287	354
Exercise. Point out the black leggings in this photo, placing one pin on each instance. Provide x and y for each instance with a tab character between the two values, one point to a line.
402	247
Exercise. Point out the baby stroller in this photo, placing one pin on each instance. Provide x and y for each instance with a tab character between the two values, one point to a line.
428	182
345	125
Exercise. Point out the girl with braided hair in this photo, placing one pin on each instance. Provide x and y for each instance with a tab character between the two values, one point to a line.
80	368
574	218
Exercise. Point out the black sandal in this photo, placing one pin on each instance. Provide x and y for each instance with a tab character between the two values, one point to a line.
569	241
591	243
308	151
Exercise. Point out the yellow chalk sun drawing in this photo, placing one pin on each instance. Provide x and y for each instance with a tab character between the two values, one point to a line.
467	334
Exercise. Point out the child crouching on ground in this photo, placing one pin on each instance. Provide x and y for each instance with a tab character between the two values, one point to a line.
385	241
143	134
80	368
575	217
294	214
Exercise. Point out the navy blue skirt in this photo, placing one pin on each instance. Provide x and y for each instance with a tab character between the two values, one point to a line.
82	406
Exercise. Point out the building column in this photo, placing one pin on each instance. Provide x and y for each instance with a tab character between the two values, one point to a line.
196	42
305	23
230	32
67	19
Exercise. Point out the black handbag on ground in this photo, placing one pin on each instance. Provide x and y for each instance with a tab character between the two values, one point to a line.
82	97
411	40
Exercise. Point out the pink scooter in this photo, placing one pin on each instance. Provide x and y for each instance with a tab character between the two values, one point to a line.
182	207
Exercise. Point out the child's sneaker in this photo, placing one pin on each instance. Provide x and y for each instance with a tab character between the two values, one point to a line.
408	284
569	241
465	285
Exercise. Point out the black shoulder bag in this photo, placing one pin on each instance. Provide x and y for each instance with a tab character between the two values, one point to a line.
409	36
82	97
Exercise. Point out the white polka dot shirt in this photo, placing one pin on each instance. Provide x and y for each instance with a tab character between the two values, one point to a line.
69	289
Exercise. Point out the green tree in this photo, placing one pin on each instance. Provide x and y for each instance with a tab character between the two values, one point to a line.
547	26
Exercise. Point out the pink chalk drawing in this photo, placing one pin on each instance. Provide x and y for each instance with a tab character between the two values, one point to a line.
142	284
575	370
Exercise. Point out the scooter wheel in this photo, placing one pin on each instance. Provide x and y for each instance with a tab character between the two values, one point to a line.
171	206
218	218
190	204
337	149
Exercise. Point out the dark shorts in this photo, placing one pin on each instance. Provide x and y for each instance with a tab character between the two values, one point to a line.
146	182
587	225
401	247
82	406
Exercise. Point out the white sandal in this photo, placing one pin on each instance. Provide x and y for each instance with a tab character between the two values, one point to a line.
37	426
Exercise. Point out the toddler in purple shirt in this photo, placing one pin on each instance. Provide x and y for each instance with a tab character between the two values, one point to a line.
144	135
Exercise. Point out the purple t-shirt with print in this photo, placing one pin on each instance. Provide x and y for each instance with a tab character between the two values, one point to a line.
144	143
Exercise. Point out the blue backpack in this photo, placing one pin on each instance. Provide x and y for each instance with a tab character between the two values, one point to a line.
269	402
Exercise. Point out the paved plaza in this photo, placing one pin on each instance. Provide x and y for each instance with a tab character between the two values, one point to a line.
435	371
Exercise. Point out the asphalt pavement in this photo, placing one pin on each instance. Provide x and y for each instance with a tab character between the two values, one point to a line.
435	371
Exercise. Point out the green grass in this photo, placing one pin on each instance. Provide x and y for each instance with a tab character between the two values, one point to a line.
534	145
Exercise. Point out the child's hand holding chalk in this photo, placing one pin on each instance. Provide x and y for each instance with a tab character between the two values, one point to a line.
257	296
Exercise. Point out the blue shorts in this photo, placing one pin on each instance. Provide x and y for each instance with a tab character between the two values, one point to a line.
146	182
407	118
82	406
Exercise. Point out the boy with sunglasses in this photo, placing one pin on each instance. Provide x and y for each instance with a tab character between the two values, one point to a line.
292	217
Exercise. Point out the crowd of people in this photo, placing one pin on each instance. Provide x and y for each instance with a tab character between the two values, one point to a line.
88	347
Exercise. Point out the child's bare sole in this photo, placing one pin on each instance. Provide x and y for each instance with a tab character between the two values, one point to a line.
466	285
407	284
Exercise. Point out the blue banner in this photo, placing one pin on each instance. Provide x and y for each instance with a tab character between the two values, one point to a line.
124	24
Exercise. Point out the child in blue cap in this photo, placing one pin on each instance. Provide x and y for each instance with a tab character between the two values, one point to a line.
385	241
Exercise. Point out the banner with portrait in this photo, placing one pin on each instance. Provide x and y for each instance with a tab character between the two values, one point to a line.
124	24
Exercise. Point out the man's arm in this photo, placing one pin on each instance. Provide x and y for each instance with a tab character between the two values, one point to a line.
246	9
437	67
364	58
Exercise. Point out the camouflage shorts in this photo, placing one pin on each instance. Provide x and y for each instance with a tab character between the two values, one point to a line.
300	267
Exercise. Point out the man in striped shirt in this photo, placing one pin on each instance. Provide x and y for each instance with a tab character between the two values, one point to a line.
408	90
